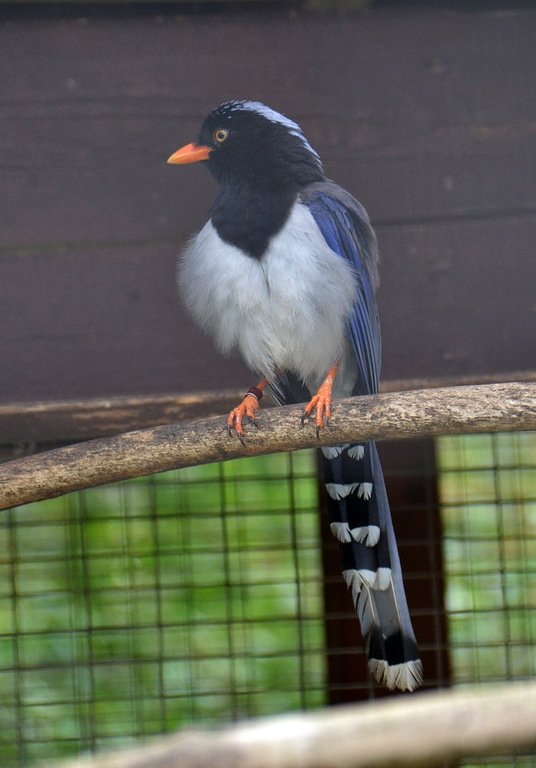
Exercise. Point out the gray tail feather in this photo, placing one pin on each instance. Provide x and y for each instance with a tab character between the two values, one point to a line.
361	521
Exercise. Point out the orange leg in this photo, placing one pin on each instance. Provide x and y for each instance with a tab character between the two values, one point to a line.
247	409
321	402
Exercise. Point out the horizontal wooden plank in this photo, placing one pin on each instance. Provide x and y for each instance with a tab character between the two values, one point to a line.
455	299
420	113
427	115
56	422
105	321
458	298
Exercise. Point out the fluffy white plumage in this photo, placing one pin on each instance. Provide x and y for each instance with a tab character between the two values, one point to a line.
285	311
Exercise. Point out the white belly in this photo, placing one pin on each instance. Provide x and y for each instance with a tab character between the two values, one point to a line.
286	311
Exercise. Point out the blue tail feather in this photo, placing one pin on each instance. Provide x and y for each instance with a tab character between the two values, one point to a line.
369	551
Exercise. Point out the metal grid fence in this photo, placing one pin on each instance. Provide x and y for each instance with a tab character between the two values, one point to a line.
197	596
487	487
125	611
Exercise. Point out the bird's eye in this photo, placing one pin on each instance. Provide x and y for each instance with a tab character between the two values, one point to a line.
220	134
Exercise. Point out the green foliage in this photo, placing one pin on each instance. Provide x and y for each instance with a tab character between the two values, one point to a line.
194	596
488	490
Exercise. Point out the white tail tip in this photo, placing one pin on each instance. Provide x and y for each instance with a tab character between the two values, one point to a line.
403	677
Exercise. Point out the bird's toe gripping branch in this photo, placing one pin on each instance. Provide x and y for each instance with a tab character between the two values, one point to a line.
321	402
246	410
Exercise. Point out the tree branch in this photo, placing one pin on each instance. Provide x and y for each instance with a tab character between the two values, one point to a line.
419	730
69	421
442	411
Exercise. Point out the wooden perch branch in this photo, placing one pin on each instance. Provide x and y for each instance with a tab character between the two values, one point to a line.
421	730
442	411
69	421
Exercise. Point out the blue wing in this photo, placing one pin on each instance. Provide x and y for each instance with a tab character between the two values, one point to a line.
346	228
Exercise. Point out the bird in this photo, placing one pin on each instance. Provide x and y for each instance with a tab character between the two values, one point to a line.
285	273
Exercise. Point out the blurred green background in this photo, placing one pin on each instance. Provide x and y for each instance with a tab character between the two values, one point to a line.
195	596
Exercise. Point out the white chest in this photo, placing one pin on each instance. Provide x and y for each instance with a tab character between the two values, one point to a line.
286	311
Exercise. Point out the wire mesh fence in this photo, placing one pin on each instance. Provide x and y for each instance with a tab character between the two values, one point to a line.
194	596
488	494
197	596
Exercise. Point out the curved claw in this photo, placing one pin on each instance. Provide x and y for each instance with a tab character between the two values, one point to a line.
246	410
321	404
231	432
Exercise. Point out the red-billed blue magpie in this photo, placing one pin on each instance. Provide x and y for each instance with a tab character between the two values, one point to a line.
285	271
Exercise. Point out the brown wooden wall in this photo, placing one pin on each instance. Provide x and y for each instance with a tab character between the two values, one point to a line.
427	115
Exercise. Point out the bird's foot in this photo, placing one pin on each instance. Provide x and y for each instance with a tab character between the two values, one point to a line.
321	403
246	411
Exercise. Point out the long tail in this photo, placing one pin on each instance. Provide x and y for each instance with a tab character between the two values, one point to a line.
361	521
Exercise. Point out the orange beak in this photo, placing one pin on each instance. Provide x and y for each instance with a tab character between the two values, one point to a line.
191	153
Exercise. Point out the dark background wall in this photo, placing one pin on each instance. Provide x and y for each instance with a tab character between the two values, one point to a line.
426	114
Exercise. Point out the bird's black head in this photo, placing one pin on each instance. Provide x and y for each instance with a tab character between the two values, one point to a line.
248	144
